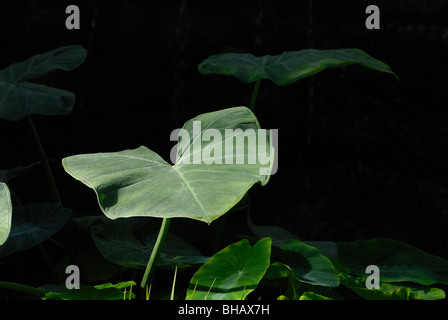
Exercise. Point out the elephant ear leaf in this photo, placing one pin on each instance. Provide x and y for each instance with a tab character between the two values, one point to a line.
139	182
232	273
288	67
20	98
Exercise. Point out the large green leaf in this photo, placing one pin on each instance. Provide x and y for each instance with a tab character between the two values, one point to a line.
287	67
32	224
232	273
140	183
396	260
5	212
307	263
118	243
19	98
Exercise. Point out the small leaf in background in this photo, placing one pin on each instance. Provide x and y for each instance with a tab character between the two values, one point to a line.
397	261
287	67
5	213
139	182
232	273
32	224
19	98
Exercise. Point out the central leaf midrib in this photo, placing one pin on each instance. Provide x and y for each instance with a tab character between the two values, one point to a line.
187	184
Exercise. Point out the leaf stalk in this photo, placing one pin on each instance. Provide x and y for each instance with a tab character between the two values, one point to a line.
254	95
43	156
155	255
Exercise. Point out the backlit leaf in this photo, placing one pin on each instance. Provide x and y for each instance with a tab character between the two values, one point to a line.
139	182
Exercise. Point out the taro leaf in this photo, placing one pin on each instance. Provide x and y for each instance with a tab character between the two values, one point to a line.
106	291
232	273
19	98
391	291
308	264
140	183
287	67
396	260
119	244
32	224
5	213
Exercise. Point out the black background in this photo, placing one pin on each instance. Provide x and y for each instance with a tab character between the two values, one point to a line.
361	155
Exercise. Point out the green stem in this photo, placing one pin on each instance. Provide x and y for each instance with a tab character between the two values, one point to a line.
43	156
254	95
22	288
154	258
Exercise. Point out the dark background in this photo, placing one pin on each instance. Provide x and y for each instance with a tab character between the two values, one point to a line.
361	155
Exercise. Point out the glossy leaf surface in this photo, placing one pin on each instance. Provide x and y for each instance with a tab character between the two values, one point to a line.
232	273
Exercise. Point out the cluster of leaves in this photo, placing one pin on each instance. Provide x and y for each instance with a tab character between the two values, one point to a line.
132	185
19	99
